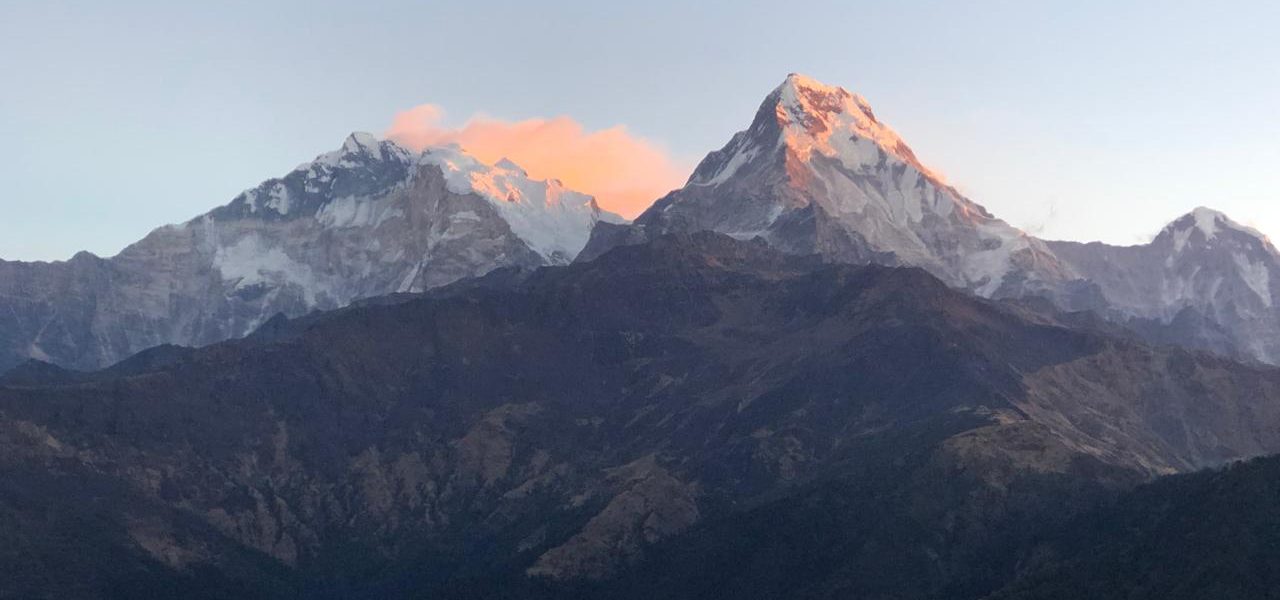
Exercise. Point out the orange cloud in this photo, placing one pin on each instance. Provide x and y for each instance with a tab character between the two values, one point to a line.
624	172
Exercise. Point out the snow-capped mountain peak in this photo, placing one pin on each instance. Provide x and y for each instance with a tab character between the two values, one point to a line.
361	141
1208	237
1208	281
817	172
1207	220
357	150
815	117
809	120
361	163
553	220
1207	226
347	186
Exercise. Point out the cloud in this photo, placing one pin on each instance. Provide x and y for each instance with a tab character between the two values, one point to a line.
1039	226
624	172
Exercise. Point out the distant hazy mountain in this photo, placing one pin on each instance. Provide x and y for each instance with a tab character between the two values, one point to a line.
1205	281
836	430
368	219
817	172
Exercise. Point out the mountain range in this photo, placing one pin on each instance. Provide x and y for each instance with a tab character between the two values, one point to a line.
560	427
815	371
816	172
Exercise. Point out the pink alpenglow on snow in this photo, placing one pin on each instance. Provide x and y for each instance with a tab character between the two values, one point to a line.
624	172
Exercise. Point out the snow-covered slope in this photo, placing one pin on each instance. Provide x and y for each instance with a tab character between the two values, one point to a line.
367	219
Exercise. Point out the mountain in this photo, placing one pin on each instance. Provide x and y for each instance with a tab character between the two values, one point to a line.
560	431
817	172
1205	281
368	219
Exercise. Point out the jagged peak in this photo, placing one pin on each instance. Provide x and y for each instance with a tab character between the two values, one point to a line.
815	116
808	117
553	220
358	148
799	87
361	141
1210	224
502	181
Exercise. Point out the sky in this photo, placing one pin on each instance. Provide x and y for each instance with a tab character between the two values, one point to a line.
1073	120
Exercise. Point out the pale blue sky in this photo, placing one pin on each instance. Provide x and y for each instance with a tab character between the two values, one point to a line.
1080	120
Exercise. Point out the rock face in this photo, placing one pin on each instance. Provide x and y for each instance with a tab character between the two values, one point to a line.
817	172
368	219
562	426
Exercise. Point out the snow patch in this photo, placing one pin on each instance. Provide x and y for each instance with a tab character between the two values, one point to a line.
250	198
351	211
986	268
1207	221
1180	238
1256	275
1210	223
278	200
251	261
